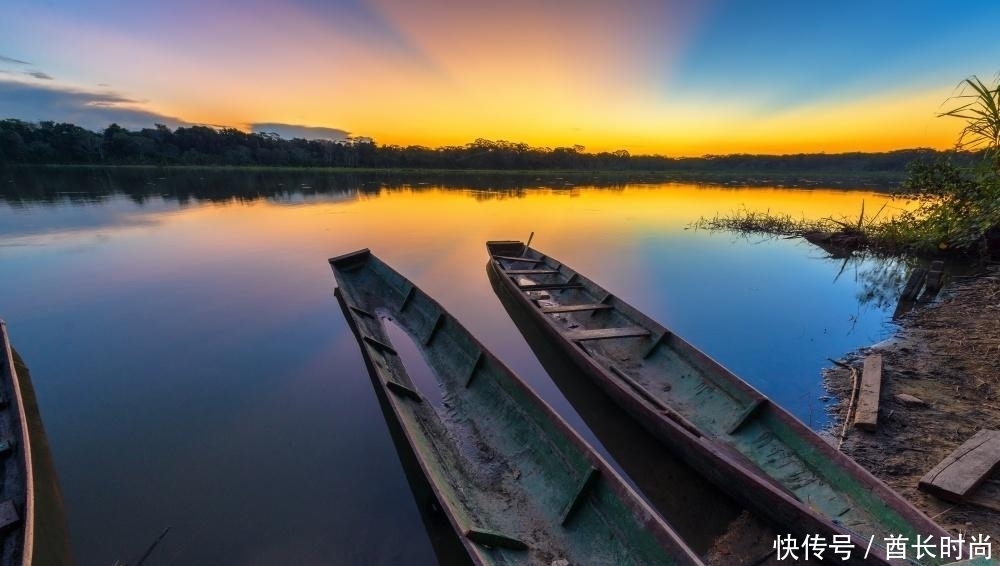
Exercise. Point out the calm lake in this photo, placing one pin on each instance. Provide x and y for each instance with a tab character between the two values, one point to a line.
193	368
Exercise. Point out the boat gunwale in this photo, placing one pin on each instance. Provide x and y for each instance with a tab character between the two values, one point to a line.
28	520
658	528
653	418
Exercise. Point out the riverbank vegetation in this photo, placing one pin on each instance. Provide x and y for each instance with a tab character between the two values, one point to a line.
59	143
954	203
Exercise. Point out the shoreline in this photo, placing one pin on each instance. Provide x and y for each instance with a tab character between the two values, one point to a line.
947	354
795	178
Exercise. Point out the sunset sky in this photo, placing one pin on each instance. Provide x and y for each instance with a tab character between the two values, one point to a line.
670	77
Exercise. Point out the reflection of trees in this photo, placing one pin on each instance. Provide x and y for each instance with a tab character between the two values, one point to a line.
23	185
879	279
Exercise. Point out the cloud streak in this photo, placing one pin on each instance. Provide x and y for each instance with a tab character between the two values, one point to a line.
39	75
12	60
292	131
91	110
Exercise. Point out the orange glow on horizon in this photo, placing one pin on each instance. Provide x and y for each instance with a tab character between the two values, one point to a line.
449	82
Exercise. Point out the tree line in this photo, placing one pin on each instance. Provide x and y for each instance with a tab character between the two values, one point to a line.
45	142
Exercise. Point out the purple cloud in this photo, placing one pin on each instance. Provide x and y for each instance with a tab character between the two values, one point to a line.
292	131
91	110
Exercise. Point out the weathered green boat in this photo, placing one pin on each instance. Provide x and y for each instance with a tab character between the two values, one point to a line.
732	434
516	483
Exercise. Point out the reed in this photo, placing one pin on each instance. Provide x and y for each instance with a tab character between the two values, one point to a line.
979	106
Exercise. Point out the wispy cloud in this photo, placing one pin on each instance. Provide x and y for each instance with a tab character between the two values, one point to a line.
39	75
291	131
4	59
91	110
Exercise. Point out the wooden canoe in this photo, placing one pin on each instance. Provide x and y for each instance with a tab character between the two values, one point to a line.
732	434
516	483
17	497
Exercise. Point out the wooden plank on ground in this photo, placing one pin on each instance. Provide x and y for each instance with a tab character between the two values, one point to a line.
934	279
604	333
866	416
913	284
965	468
575	308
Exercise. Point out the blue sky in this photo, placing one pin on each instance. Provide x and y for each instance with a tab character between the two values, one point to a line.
655	77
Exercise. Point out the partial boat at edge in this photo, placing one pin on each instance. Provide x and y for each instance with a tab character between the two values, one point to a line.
17	497
34	530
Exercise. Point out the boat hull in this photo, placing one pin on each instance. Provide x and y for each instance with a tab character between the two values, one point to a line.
720	446
517	485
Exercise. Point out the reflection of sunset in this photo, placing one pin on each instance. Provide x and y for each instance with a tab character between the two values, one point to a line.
579	223
393	214
207	326
434	213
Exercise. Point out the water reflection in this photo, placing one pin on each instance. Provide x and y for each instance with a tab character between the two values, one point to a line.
193	369
27	185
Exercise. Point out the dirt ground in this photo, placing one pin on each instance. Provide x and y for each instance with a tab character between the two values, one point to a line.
946	354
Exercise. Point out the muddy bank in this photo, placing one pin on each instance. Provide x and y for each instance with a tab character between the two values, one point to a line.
947	355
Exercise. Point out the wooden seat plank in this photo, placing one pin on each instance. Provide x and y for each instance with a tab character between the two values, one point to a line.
579	495
548	286
379	345
605	333
965	468
525	259
531	271
574	308
403	390
438	321
747	415
362	312
495	539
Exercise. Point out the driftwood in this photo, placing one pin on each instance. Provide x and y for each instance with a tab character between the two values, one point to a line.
850	405
838	244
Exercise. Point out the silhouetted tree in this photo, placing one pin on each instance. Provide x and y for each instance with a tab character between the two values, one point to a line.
48	142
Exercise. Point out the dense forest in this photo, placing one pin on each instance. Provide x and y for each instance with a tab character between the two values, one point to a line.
60	143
